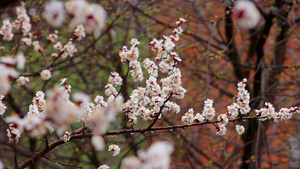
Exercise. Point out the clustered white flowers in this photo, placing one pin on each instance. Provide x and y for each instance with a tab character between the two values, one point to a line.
34	123
235	110
209	111
131	55
22	80
79	32
269	112
68	50
91	16
54	13
153	100
188	117
242	104
23	21
6	30
53	36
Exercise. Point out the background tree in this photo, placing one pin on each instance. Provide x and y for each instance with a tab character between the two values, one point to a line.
217	52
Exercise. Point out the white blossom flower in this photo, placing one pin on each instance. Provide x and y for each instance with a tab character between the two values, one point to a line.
223	119
13	134
54	13
53	36
69	49
36	45
40	94
79	32
6	30
58	46
199	118
240	129
221	129
115	148
78	10
95	19
46	74
246	14
22	80
98	142
21	60
27	41
209	111
67	136
59	110
188	117
115	79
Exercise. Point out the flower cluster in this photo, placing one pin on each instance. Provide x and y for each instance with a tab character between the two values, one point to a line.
67	136
90	16
243	100
36	45
54	13
131	55
79	32
23	21
34	123
115	79
69	49
269	112
13	133
53	36
6	30
188	117
208	112
153	100
60	111
157	156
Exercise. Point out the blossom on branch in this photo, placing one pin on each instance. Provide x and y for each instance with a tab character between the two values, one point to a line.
115	148
240	129
209	111
22	80
46	74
